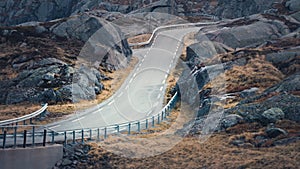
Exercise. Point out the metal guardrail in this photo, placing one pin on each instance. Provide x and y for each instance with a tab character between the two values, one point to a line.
43	136
64	136
161	28
24	118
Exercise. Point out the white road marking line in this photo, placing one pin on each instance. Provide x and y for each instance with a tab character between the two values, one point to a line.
163	82
97	111
143	60
120	94
54	127
130	80
134	75
138	69
110	103
78	119
161	88
166	76
158	96
126	87
170	65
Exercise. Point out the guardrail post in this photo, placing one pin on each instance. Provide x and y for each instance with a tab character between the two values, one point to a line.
82	136
24	138
73	136
165	114
146	123
33	135
30	121
98	134
65	140
4	139
153	121
162	116
139	126
158	119
52	137
15	137
90	134
118	129
129	127
44	138
105	133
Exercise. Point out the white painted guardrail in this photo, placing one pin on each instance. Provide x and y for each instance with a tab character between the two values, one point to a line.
87	133
24	118
156	30
49	136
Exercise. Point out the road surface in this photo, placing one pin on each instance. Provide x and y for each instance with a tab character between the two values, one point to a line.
142	93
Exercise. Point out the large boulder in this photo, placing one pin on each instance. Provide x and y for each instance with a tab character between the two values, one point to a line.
254	33
275	132
293	5
234	8
272	115
104	43
231	120
13	12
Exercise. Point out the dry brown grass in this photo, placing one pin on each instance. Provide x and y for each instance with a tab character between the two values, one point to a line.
190	152
118	78
256	73
139	38
14	111
216	152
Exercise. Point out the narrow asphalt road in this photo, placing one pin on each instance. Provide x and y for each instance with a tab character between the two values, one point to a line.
142	93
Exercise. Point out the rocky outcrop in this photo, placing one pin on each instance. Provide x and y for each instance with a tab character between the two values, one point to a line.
13	12
236	9
252	34
44	67
101	40
251	51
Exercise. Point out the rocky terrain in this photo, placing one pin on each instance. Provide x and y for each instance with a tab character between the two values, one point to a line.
248	64
253	64
39	60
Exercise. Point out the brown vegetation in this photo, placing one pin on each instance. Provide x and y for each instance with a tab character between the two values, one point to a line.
216	152
139	38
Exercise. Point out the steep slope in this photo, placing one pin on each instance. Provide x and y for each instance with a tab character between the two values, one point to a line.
39	60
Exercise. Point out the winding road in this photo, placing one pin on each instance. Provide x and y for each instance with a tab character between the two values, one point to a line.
142	93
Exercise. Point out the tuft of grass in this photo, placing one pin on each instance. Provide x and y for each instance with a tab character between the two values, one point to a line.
139	38
256	73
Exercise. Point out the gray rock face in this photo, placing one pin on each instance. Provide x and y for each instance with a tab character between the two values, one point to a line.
275	132
16	12
53	84
203	50
44	77
105	43
13	12
236	8
289	84
252	34
272	115
293	5
231	120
